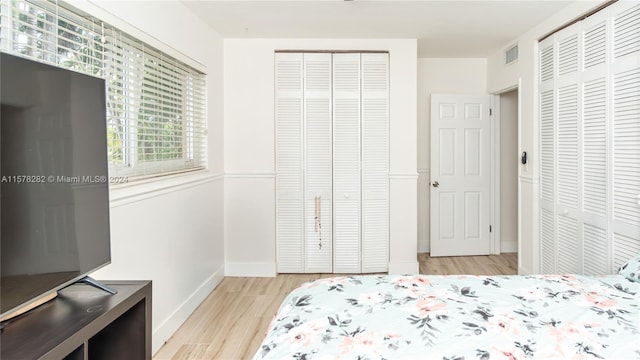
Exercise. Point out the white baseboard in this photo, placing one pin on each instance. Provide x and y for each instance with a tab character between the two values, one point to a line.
401	268
509	246
168	327
250	269
523	271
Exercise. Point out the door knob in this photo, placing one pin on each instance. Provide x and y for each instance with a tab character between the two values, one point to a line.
436	184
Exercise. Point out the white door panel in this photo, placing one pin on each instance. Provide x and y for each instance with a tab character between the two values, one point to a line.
375	162
594	227
447	216
346	162
461	182
289	163
317	162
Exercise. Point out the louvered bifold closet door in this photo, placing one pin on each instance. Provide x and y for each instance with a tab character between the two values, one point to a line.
547	156
625	157
375	162
289	163
346	163
590	143
318	174
594	83
568	138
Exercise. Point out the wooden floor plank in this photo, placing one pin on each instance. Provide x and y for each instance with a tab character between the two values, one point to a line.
233	319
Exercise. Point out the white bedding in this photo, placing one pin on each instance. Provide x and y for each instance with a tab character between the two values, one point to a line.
458	317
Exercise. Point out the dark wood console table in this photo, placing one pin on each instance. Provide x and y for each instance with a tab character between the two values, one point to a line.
84	323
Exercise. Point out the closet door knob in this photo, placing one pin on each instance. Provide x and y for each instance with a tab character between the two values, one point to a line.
436	184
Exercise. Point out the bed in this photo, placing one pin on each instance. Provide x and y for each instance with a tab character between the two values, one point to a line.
458	317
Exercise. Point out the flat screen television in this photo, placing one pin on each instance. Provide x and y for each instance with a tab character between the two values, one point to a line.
54	211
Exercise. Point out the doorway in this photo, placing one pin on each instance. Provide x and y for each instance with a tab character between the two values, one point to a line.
503	225
510	160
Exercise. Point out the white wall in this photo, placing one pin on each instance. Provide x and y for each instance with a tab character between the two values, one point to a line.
171	231
502	77
439	76
249	150
509	159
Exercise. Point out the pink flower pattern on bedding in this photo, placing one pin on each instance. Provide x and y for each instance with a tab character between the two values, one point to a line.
458	317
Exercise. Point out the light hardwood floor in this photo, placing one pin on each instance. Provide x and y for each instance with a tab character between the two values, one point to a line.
231	322
504	264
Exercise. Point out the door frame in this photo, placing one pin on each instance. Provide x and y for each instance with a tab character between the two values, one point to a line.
496	195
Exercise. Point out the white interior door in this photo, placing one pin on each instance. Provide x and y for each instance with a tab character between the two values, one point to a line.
460	175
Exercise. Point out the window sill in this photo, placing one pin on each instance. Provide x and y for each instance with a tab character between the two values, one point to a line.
122	194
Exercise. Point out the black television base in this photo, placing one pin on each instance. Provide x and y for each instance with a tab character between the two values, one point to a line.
84	323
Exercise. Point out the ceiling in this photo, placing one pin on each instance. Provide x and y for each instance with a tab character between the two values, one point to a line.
472	28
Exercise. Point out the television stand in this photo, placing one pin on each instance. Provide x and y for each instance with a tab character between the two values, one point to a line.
97	284
84	323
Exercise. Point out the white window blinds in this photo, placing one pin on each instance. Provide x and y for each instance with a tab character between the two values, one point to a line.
155	103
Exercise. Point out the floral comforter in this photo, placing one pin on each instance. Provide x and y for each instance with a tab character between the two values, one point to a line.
458	317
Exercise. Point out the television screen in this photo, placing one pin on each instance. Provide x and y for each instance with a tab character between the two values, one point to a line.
54	212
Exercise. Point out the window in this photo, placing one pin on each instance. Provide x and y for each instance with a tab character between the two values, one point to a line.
155	103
